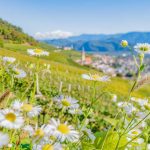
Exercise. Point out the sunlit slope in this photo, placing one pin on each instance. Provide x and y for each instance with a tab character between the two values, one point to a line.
62	57
65	70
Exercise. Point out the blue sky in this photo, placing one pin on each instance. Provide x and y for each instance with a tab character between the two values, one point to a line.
77	16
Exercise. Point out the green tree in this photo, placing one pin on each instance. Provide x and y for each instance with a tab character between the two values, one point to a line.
13	33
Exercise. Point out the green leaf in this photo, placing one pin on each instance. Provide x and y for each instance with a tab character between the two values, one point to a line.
25	146
108	140
112	139
100	136
142	67
87	146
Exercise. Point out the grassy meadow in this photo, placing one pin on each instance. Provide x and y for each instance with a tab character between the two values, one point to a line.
98	118
62	62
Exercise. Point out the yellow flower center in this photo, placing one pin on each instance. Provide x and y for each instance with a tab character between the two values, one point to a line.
135	132
63	129
27	107
95	77
144	48
124	43
39	132
47	147
65	102
10	117
38	51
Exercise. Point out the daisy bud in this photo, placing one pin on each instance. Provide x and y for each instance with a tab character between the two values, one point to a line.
141	57
124	43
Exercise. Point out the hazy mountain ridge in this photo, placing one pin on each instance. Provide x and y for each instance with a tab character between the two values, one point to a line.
101	42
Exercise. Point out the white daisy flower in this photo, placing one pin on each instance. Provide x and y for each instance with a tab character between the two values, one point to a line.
64	132
29	129
16	105
141	115
139	140
128	107
96	77
134	133
10	119
89	133
31	110
37	52
142	48
47	146
142	102
4	139
122	104
142	125
75	111
39	132
19	73
9	59
66	102
126	122
148	146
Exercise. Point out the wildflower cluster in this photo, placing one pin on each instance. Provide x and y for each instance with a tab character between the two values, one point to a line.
22	120
39	118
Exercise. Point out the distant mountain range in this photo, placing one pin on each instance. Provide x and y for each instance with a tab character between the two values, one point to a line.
101	42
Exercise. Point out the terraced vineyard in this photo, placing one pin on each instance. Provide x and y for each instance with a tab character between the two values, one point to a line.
47	90
62	64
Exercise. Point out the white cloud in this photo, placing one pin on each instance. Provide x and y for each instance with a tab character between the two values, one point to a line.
58	34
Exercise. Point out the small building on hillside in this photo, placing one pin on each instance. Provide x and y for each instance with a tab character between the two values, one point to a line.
67	48
88	60
85	60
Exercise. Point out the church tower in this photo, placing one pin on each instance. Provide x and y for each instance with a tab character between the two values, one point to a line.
83	56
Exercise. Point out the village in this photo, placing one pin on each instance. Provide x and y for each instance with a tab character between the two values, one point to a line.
122	65
117	65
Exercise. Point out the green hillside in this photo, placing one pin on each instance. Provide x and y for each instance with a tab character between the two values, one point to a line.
9	32
62	64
